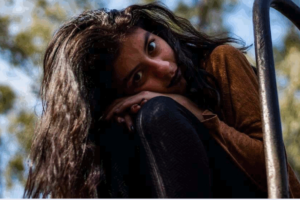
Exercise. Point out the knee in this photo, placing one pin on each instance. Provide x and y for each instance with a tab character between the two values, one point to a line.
156	111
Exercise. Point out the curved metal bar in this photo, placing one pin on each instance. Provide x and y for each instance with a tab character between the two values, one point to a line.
276	167
288	9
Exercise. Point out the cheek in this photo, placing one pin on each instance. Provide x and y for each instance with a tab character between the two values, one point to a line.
153	85
168	52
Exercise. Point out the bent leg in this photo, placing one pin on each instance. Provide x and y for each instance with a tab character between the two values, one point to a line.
175	155
167	157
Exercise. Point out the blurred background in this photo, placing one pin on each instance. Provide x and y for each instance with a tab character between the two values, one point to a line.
26	26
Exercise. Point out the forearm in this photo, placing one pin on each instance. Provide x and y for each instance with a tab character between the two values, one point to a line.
119	108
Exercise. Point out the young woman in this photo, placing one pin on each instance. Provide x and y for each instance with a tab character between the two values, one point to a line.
187	103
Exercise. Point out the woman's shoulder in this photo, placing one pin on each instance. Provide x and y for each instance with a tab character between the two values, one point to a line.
237	84
226	58
225	51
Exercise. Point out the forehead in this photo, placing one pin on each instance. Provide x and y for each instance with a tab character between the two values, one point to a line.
135	32
134	40
131	52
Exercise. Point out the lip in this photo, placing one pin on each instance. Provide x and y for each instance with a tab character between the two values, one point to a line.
176	78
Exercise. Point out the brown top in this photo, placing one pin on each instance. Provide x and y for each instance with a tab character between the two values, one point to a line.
240	134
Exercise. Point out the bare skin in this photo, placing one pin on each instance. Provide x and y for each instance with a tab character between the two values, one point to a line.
146	68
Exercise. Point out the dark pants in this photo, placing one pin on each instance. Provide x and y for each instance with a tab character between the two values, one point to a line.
171	154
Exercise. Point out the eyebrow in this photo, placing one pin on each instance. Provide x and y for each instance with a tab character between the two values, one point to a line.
146	38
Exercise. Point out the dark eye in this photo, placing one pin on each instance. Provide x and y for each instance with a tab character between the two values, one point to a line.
151	47
137	77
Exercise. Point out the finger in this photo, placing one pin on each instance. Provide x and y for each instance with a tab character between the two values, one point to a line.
121	106
135	108
143	102
127	104
110	110
129	123
119	119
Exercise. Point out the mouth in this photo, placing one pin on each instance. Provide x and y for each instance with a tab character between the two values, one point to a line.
176	78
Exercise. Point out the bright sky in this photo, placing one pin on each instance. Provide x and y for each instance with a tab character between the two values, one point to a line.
239	21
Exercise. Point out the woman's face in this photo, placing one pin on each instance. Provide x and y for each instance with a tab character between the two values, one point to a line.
147	63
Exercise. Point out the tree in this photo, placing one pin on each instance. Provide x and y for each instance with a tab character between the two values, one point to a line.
7	98
288	72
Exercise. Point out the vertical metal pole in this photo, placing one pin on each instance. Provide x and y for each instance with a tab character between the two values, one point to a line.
273	143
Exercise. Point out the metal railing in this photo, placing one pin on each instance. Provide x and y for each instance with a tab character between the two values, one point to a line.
277	177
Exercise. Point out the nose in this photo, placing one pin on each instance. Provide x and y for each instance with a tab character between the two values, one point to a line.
159	68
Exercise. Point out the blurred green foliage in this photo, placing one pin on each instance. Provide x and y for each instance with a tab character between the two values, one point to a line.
22	128
288	70
7	98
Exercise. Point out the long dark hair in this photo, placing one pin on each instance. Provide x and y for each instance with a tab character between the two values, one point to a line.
77	87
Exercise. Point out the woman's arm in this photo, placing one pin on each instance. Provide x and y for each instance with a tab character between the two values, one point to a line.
240	130
121	109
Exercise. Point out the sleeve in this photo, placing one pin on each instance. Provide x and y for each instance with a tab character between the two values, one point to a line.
240	132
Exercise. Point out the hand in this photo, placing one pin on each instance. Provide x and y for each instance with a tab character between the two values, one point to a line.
123	108
126	119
